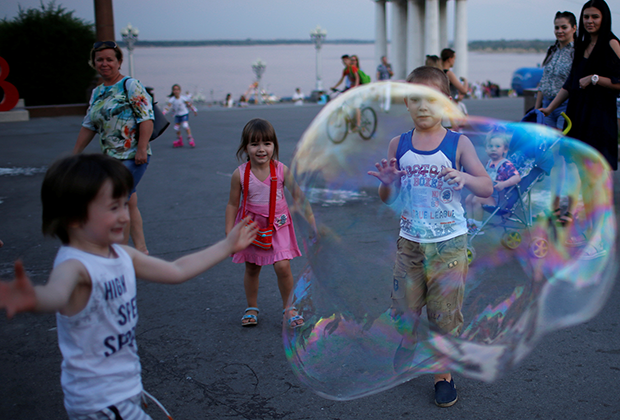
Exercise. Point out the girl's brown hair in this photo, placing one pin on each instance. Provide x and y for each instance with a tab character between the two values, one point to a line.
258	130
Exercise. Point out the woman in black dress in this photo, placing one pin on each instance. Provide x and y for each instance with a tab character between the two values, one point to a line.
591	89
594	83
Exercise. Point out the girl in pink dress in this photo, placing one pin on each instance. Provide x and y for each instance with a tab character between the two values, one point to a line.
260	145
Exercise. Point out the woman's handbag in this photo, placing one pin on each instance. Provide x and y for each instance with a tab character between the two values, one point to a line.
160	123
264	237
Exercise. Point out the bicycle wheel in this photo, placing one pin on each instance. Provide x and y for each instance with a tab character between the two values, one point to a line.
337	126
368	123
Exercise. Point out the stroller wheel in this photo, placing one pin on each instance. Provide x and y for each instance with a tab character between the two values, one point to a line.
471	254
511	240
539	247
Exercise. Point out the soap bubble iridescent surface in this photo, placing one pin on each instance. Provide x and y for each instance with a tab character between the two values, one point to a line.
529	274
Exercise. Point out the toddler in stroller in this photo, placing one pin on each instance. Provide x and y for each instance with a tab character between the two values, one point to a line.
502	172
530	156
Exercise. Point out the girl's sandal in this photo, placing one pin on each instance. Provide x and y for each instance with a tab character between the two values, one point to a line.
250	320
295	321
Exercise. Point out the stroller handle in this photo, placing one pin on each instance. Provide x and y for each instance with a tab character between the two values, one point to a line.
569	124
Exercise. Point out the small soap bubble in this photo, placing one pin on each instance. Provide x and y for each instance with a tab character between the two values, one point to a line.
541	259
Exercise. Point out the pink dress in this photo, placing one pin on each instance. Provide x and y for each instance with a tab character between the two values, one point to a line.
257	207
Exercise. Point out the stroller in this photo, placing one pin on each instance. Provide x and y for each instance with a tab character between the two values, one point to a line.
532	156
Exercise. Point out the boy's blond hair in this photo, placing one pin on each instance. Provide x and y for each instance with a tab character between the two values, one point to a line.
427	75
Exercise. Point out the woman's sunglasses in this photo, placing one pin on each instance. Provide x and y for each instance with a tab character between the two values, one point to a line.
107	44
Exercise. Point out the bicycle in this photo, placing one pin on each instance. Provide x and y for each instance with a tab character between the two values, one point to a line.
340	123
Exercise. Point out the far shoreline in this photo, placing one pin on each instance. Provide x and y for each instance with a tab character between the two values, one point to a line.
495	46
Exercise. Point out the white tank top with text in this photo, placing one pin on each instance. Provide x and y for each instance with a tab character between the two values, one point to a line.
432	210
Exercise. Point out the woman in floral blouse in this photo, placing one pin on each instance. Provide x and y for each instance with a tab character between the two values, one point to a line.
121	112
557	67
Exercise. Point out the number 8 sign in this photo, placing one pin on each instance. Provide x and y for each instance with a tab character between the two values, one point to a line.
11	96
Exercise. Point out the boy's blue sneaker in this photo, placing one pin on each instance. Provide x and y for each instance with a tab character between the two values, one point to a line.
445	393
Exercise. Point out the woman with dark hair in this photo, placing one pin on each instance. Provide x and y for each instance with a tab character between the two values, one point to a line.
594	82
557	65
457	87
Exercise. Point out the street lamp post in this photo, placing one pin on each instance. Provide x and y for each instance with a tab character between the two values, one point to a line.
318	35
258	67
130	36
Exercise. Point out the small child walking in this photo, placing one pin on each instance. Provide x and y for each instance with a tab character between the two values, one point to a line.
503	174
92	287
253	180
179	105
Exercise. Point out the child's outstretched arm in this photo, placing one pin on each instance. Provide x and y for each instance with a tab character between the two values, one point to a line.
475	176
189	266
191	106
389	174
62	292
233	201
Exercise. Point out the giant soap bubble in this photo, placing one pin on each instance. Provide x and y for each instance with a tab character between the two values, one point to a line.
530	270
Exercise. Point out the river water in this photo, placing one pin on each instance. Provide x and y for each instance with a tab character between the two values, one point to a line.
214	71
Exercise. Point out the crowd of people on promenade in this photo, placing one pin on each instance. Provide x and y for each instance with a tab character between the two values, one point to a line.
90	204
352	75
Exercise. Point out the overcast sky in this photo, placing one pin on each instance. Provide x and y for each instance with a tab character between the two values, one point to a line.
293	19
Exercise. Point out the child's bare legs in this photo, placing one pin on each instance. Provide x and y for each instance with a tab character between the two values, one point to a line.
285	279
477	203
189	136
250	283
285	284
135	226
473	206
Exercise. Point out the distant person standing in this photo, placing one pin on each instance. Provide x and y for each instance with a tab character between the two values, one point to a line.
448	57
557	65
228	102
384	70
298	97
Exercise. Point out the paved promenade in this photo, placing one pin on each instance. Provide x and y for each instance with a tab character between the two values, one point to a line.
196	358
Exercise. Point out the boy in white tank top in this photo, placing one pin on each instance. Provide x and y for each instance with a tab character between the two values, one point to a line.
424	166
92	287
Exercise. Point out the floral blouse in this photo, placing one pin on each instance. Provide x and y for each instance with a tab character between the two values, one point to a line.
556	71
110	114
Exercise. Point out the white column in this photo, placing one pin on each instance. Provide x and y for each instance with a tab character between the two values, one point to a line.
431	28
443	24
380	33
461	65
398	54
415	34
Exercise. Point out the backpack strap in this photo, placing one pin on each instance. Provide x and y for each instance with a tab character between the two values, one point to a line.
127	97
273	189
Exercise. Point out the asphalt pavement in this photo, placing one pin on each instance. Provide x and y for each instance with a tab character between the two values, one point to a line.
196	358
